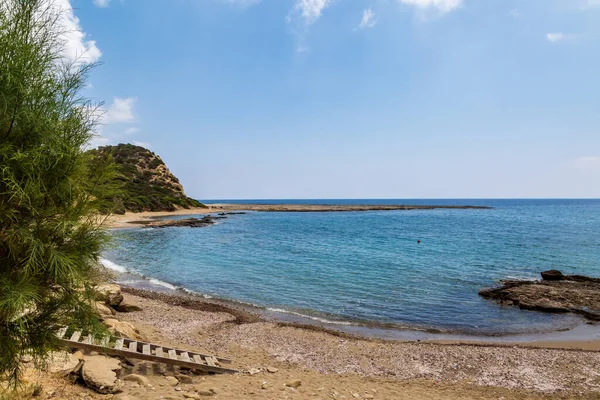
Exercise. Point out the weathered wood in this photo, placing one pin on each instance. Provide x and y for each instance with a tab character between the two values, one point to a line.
146	357
131	351
198	359
185	356
75	336
210	362
133	347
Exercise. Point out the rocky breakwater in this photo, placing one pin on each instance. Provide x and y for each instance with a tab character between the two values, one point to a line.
555	292
193	222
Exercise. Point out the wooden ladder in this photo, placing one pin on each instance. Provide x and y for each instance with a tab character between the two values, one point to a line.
124	347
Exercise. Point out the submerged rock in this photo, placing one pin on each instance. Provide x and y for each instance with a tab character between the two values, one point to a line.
186	222
556	293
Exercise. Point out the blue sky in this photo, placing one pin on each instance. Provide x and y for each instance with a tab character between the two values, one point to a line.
353	98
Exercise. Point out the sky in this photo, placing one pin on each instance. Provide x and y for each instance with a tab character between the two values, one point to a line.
250	99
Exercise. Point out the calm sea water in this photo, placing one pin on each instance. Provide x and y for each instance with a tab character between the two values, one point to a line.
357	267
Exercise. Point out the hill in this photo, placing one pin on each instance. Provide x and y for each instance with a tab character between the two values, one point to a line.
147	183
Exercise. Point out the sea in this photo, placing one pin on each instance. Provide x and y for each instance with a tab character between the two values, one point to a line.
391	274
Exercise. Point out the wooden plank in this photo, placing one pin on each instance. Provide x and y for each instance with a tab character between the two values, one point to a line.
173	354
210	362
185	356
159	352
75	336
146	357
119	344
133	347
105	341
146	349
87	339
214	360
198	359
61	332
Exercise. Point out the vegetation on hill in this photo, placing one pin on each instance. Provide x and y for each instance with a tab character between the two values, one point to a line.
50	233
148	185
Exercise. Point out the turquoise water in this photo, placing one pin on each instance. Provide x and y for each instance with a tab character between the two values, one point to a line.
367	267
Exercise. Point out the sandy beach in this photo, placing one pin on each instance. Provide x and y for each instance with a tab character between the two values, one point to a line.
128	219
332	366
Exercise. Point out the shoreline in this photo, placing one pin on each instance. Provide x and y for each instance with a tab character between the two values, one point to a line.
580	337
336	207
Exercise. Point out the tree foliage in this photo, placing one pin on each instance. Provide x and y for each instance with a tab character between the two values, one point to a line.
50	231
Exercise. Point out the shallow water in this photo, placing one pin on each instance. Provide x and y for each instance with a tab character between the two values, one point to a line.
368	267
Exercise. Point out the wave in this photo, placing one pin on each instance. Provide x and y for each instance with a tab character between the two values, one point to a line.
318	319
111	265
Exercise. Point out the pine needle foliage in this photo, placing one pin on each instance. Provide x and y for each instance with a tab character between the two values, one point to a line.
50	232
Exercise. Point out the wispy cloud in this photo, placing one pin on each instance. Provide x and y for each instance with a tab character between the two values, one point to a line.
76	46
131	131
311	10
102	3
368	19
439	5
121	110
555	37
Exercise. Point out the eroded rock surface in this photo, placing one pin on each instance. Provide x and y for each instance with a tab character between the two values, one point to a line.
100	373
554	293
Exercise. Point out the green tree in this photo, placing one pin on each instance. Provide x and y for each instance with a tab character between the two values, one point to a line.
50	231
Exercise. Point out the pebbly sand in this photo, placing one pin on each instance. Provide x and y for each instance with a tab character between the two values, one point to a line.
328	363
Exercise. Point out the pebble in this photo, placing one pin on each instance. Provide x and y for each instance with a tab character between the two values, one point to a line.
171	380
205	393
368	396
191	396
178	389
142	380
253	371
356	395
294	384
272	369
184	379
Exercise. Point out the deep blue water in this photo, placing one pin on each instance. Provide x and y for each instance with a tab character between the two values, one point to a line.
367	266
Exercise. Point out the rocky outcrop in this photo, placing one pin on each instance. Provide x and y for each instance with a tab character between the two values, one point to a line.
147	183
186	222
109	293
555	293
128	306
100	373
122	329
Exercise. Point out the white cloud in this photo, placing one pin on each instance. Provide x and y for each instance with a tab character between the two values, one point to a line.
121	110
311	9
131	131
76	47
515	13
440	5
555	37
102	3
368	19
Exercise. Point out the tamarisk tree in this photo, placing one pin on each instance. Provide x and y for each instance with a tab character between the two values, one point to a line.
50	232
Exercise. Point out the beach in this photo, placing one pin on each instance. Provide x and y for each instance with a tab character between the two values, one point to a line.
334	363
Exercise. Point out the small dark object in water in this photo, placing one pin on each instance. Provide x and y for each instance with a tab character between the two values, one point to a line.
418	242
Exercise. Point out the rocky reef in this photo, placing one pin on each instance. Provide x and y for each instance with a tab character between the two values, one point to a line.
555	292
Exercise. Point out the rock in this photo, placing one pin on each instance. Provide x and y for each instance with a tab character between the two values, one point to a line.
184	379
123	397
205	393
127	306
272	370
573	293
171	380
26	358
109	293
356	395
264	386
191	396
552	275
103	309
368	396
186	222
99	373
295	383
122	328
63	363
142	380
254	371
78	354
170	397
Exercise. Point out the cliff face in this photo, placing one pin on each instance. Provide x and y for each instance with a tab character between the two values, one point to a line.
147	182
